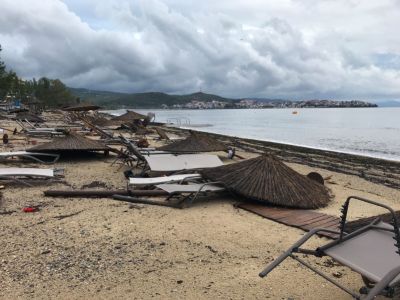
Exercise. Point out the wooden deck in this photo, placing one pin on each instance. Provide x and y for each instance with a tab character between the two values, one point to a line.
300	218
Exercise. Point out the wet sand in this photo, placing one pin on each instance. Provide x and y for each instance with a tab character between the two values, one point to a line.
105	249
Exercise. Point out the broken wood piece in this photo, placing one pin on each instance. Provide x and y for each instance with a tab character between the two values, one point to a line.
67	216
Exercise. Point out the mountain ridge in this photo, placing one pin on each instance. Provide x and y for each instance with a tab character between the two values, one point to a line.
154	100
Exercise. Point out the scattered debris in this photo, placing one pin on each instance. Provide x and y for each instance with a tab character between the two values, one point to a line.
30	209
67	216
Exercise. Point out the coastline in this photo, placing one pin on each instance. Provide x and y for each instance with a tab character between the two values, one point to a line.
377	170
85	248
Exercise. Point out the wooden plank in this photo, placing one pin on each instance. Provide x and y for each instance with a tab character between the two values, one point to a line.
299	218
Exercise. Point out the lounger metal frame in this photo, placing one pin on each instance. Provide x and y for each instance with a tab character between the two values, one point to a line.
33	156
382	287
190	197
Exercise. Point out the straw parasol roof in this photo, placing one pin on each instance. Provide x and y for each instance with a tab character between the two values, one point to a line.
129	116
70	142
196	142
82	107
267	179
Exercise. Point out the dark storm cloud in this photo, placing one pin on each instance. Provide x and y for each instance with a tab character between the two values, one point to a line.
234	48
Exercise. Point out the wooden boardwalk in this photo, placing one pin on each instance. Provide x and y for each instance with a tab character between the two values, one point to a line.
300	218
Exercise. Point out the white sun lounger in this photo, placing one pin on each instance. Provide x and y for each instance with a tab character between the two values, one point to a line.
26	172
31	155
171	163
163	179
15	173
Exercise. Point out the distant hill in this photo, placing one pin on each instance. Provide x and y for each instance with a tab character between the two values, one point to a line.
113	100
141	100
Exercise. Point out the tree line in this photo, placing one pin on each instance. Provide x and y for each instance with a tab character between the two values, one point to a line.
50	93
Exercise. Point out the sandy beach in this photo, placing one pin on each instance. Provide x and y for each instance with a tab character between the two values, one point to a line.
83	248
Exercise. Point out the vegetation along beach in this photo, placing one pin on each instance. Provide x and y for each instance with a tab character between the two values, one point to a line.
183	150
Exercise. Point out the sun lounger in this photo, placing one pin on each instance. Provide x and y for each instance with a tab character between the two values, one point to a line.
172	163
45	132
31	155
163	179
187	193
21	175
373	251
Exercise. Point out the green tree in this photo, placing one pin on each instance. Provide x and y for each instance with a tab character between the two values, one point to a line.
53	93
3	78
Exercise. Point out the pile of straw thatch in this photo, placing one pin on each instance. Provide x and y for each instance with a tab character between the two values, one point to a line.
268	180
129	116
82	107
196	142
70	142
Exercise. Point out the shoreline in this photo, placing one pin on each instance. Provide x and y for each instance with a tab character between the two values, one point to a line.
290	144
377	170
102	248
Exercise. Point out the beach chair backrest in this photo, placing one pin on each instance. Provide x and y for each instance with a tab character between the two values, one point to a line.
171	163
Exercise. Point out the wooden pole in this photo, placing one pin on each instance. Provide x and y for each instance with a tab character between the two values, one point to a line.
102	193
147	201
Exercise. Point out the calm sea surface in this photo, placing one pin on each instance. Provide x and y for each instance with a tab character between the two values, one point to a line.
365	131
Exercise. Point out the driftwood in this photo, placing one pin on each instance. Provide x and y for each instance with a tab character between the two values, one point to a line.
102	193
67	216
147	201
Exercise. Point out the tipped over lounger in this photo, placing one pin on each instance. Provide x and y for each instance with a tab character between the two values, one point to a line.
373	251
140	181
22	175
48	158
187	193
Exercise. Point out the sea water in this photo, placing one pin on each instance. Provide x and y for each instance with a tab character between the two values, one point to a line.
364	131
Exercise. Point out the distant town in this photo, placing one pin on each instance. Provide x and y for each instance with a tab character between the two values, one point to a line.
260	104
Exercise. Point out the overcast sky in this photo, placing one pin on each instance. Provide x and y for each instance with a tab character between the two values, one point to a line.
297	49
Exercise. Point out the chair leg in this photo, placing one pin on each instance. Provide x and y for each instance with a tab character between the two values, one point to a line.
381	285
293	248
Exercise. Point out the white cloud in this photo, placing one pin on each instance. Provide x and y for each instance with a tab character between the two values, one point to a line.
289	48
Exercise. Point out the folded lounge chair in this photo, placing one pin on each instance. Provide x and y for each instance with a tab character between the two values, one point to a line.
140	181
21	175
52	158
184	194
187	193
373	251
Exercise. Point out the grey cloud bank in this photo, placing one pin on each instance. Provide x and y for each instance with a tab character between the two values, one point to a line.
280	49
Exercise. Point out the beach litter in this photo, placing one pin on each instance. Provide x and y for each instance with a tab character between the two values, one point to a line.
30	209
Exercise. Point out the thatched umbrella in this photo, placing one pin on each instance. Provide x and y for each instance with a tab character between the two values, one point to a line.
196	142
82	107
71	142
266	179
130	116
